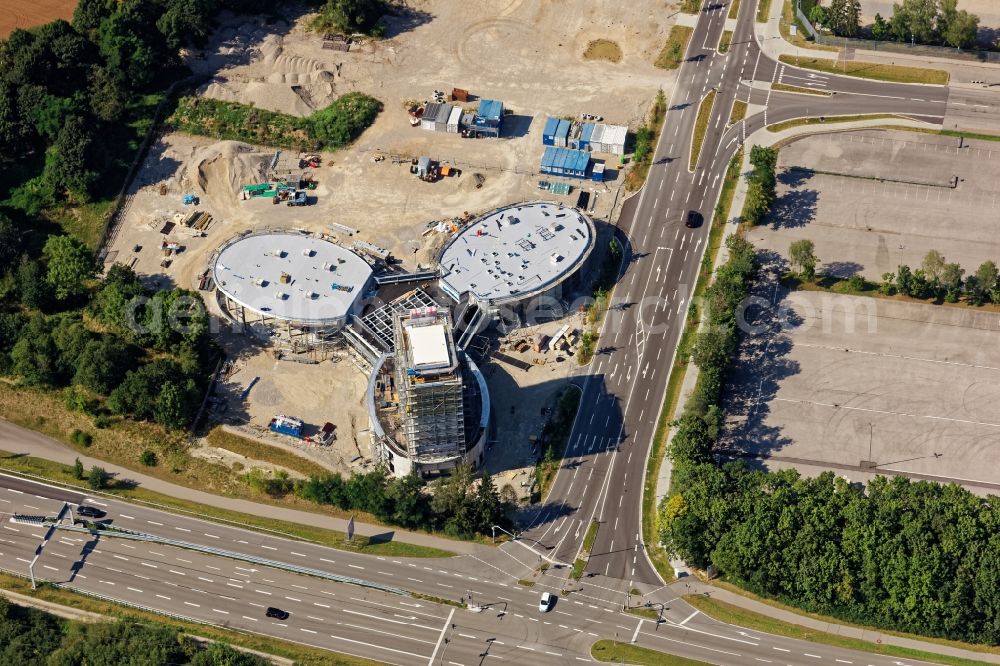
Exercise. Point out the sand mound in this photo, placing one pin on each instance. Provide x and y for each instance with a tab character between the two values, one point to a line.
224	167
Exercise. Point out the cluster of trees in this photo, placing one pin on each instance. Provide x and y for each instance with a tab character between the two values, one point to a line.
921	21
912	556
332	127
351	16
29	637
100	353
942	280
462	505
761	183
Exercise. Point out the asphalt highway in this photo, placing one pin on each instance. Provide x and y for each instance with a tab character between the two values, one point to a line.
602	478
390	628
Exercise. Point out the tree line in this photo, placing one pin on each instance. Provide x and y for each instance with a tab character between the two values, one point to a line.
461	505
761	184
938	22
914	556
30	637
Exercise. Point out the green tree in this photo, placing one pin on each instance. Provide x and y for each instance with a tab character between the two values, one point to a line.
103	364
714	347
933	265
957	28
880	28
914	19
220	654
756	203
989	279
148	458
97	478
68	169
186	22
951	281
108	93
410	504
818	15
353	15
70	265
10	243
34	356
78	470
844	17
31	285
802	254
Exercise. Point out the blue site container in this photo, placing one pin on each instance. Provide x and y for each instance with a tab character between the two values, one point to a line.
549	133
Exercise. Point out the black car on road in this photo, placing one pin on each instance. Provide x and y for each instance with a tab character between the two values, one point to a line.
276	613
694	219
90	512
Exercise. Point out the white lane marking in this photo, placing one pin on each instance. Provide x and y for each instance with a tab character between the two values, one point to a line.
153	522
191	603
163	597
216	610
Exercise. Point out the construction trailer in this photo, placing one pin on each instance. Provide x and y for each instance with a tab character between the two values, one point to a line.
454	120
562	133
565	162
488	119
549	132
435	117
608	139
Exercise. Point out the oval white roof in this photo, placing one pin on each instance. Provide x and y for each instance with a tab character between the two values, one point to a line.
323	281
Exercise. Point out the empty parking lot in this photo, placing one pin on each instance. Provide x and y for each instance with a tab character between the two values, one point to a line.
872	200
867	385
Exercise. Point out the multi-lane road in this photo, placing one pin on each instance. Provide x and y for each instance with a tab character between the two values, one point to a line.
602	478
606	459
391	628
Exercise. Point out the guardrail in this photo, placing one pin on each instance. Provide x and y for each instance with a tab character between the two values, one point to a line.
243	557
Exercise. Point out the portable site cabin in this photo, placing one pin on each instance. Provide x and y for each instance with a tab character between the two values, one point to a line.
436	117
455	119
489	117
609	139
597	174
583	140
565	162
562	132
549	133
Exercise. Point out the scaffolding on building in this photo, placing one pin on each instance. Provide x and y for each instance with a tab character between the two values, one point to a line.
429	382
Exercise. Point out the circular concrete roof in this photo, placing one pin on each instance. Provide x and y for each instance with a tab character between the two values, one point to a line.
517	251
291	276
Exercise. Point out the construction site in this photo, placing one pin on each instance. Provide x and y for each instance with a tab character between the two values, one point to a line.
202	210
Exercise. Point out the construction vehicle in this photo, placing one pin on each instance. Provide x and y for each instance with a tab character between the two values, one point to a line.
191	200
286	425
300	199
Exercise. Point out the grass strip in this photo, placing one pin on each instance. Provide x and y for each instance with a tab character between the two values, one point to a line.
637	173
734	9
301	654
555	436
609	651
869	70
53	471
657	555
251	448
588	543
725	41
763	8
827	120
732	614
673	51
784	87
701	127
738	113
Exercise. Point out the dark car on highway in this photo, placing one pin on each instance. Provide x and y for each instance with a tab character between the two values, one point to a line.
90	512
276	613
694	219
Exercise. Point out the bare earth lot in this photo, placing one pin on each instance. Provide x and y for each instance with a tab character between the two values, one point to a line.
863	224
917	383
26	14
527	53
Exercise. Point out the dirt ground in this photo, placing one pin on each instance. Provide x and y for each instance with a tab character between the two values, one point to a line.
527	53
24	14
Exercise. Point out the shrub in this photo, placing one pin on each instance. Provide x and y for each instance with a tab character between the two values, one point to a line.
81	438
148	458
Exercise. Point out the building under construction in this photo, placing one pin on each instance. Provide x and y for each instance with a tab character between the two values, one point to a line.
428	402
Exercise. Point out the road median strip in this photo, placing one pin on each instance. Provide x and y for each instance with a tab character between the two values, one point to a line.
869	70
701	128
